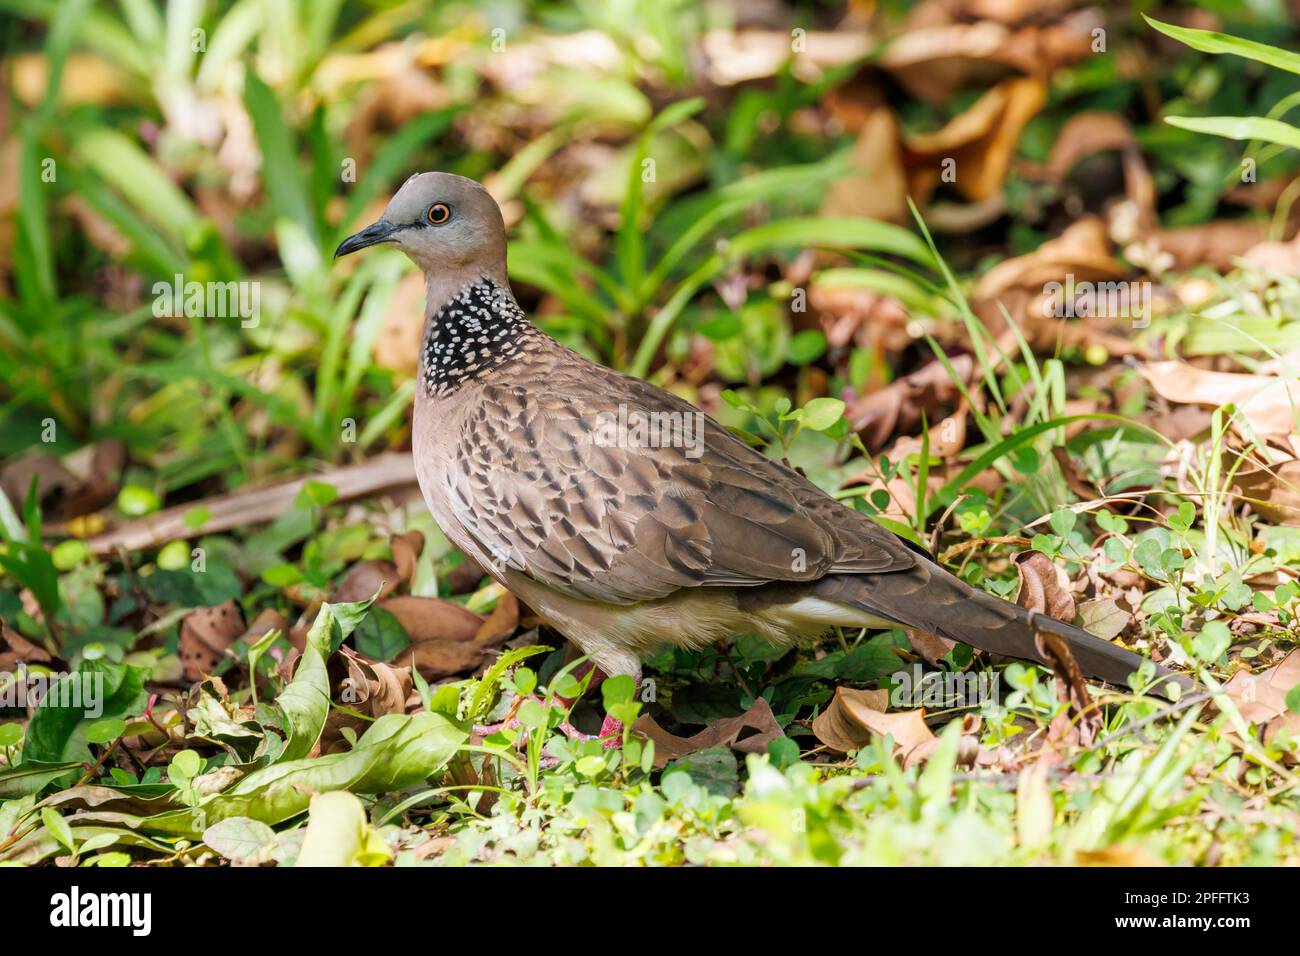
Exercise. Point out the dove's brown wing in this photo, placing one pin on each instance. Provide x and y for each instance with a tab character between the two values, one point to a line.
544	490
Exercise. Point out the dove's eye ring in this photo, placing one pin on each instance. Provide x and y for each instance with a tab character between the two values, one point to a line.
439	214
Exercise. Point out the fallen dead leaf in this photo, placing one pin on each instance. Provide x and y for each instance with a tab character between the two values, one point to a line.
721	733
206	636
501	623
852	716
430	618
1271	405
979	142
407	549
365	578
442	658
1103	617
1044	586
1079	724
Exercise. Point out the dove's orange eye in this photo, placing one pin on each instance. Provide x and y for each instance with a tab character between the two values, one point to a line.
439	213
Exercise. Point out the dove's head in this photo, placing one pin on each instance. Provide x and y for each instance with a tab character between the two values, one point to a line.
448	225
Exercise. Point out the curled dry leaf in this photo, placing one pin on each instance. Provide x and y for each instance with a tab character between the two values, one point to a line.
206	635
721	733
1043	586
369	687
1079	723
407	549
980	141
883	413
501	623
931	647
852	716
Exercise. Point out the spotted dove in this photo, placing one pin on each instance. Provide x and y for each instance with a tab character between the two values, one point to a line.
625	544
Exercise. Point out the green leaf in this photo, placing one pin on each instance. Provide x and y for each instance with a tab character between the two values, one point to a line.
1213	640
1208	41
381	635
98	690
806	346
1293	699
1062	521
58	826
305	702
281	174
105	731
239	838
821	413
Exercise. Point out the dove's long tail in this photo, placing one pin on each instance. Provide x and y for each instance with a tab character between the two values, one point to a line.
928	598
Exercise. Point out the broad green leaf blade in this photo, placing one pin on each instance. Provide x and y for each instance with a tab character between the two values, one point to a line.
98	689
31	777
399	751
305	703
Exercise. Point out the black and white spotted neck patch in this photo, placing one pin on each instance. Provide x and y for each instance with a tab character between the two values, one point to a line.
478	329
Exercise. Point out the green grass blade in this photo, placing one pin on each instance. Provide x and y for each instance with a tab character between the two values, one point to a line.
1207	41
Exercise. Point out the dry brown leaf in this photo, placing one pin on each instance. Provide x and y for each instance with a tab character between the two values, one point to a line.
721	733
852	716
407	549
1216	244
430	618
979	141
365	578
931	647
1082	250
935	63
206	636
1079	724
268	619
369	687
1044	586
733	57
883	413
1085	134
1103	617
397	346
442	658
1261	697
19	651
501	623
1270	404
1272	489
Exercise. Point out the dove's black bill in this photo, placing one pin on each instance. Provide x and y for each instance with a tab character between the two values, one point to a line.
377	232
